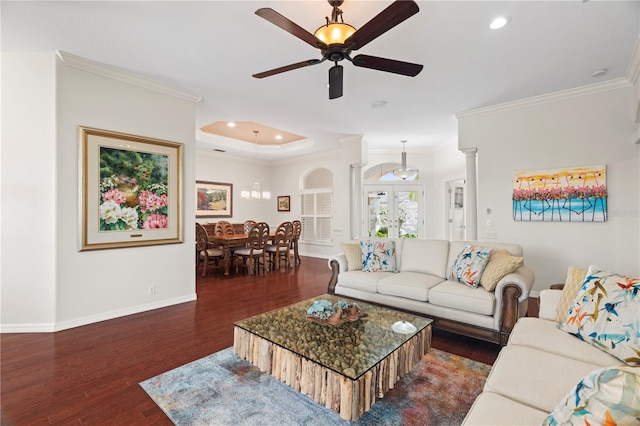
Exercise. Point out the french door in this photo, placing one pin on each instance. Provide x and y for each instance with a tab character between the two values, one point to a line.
393	210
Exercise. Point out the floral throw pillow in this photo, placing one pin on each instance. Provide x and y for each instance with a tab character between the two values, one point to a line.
606	313
378	256
467	268
606	396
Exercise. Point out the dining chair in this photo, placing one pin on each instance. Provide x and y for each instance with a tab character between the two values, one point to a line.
248	224
280	249
224	227
251	256
297	230
204	251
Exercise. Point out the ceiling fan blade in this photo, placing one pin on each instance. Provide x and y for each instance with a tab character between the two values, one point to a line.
388	65
288	68
395	13
335	81
290	27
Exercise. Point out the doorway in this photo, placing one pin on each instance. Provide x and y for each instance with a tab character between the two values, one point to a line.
393	210
455	210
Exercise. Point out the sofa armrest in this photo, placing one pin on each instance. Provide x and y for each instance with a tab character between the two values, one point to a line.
511	293
549	303
336	263
523	277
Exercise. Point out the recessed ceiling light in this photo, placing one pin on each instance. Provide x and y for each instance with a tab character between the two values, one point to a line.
231	124
499	22
599	73
278	137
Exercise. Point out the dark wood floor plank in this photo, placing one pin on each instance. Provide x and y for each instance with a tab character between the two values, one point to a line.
90	374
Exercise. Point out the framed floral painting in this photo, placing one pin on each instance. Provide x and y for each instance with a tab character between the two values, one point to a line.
130	190
214	199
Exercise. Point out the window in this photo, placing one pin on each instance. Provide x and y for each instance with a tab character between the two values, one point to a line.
316	215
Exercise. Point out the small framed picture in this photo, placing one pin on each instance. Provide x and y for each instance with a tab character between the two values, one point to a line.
284	203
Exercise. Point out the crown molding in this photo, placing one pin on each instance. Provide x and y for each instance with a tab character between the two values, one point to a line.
549	97
634	66
109	71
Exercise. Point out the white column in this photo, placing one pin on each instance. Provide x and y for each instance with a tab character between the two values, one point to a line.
355	195
471	194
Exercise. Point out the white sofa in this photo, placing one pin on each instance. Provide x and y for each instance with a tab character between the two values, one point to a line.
538	367
421	286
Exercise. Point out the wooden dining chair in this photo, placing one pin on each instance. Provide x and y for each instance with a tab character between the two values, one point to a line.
248	224
204	251
297	230
224	227
254	255
280	248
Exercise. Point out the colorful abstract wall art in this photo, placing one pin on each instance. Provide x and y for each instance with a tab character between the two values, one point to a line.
577	194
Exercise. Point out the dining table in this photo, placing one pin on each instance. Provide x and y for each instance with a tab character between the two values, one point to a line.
228	242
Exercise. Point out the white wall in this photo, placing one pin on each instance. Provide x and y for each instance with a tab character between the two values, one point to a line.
586	126
28	175
241	173
47	284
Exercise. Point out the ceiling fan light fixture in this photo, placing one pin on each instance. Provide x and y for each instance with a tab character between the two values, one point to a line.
334	33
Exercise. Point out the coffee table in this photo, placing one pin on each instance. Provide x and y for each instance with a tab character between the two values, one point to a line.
347	367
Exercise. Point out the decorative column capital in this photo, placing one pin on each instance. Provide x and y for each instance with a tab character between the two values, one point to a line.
469	152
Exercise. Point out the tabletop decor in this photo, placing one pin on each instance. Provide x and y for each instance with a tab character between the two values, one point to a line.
323	312
214	199
130	191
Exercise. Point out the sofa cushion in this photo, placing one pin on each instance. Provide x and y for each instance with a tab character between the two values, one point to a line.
468	266
453	295
535	378
425	256
501	263
378	256
606	314
606	396
575	278
545	336
361	280
353	254
456	246
411	285
492	409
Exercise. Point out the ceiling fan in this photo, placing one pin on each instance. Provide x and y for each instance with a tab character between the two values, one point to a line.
336	40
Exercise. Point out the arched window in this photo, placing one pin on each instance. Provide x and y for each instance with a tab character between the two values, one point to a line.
316	207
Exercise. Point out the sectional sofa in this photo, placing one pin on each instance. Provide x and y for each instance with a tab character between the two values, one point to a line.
547	375
420	282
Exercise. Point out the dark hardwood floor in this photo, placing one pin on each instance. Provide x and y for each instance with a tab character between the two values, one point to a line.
90	374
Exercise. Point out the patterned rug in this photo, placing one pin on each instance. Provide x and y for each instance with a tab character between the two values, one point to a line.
222	389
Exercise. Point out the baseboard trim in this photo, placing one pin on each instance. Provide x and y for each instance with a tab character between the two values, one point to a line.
78	322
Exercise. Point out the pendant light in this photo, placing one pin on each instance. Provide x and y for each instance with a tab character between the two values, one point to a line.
255	194
404	172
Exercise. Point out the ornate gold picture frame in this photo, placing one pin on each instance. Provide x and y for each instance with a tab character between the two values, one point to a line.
130	190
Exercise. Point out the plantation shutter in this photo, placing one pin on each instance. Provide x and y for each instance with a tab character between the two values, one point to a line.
316	215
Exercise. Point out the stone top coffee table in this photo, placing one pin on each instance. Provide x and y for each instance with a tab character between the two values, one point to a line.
346	367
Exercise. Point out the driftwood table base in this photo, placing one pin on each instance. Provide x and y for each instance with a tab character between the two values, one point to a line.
351	398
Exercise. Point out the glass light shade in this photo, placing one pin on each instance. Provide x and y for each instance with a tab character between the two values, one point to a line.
333	33
404	173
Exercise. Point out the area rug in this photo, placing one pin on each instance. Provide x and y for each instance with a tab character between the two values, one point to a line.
222	389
